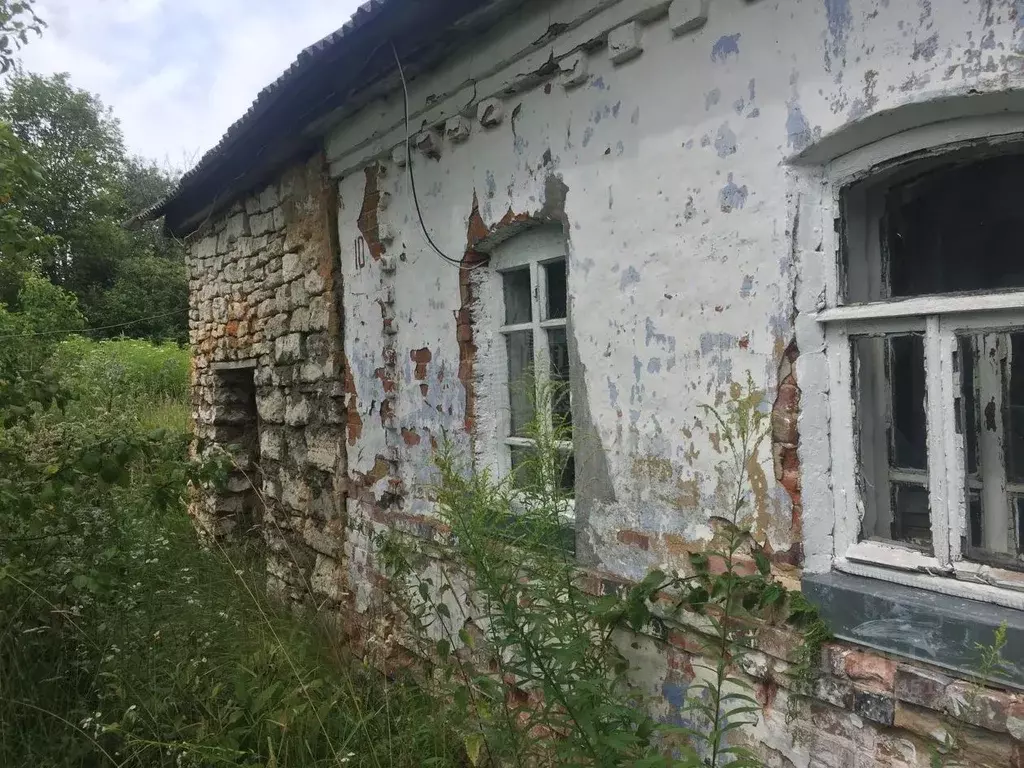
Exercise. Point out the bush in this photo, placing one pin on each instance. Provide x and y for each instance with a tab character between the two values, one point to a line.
122	640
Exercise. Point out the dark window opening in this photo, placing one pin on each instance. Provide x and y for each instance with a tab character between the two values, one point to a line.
953	228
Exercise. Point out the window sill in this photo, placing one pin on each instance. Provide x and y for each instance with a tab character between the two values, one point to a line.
922	624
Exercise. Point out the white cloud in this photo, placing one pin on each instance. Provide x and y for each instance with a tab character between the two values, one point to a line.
178	72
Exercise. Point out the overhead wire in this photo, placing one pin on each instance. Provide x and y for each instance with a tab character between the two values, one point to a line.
412	177
92	330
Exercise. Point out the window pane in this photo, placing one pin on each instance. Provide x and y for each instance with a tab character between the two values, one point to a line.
518	306
906	377
561	409
1015	410
520	381
556	279
912	519
992	404
890	402
956	228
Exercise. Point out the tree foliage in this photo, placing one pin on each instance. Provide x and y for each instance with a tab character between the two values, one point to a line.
17	21
75	184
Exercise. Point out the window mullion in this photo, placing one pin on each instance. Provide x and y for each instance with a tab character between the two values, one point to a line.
848	509
941	427
991	440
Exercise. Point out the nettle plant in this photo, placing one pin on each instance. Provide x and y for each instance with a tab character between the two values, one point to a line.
535	663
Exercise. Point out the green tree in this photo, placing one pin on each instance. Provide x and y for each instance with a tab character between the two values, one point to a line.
17	20
86	186
23	246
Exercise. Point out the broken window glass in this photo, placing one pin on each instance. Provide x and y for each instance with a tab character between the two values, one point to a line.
891	414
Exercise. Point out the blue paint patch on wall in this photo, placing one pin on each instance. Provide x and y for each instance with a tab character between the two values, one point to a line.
711	98
726	46
798	132
747	287
926	49
613	394
716	342
638	368
725	141
629	277
674	694
732	196
839	17
654	365
664	340
492	186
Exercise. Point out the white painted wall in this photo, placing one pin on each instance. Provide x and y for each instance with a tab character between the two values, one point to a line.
687	268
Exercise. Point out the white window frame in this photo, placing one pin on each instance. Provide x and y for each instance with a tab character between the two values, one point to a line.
532	249
940	319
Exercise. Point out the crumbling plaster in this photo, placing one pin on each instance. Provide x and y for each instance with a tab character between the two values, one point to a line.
698	224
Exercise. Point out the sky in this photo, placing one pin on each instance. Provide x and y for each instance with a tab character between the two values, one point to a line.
177	72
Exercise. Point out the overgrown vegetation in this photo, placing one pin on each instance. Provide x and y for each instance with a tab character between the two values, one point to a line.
122	641
536	664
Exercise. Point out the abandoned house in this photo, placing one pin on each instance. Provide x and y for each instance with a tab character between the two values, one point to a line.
655	202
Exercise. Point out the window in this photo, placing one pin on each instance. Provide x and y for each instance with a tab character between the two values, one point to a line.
929	341
533	316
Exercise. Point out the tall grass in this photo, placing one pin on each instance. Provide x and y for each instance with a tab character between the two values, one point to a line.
123	642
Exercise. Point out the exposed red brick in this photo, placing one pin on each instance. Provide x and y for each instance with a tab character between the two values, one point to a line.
387	410
634	539
386	381
354	422
368	225
785	446
686	641
870	668
421	357
231	329
410	436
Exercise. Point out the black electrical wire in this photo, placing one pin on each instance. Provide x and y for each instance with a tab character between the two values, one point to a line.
412	178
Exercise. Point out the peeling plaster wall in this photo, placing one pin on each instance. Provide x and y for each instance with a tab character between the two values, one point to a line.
693	245
682	150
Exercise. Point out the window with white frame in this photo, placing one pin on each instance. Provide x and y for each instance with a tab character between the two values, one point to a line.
533	328
926	357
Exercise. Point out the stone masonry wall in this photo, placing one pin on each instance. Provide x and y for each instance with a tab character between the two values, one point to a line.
263	303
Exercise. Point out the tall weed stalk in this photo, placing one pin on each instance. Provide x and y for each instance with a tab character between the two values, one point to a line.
532	656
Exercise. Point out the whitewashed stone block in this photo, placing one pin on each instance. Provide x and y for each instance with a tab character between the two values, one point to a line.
625	43
573	70
457	129
429	143
687	15
490	112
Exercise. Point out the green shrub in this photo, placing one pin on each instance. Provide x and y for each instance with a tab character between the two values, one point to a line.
123	641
